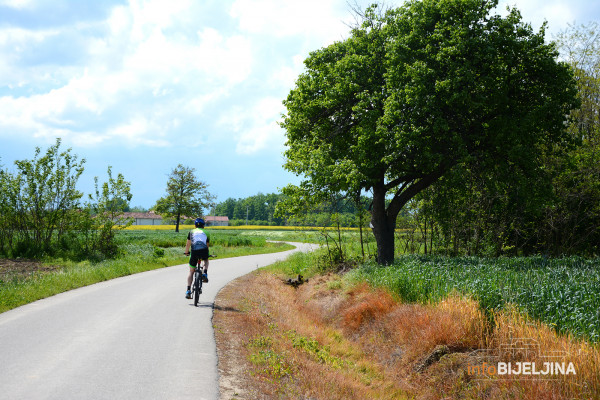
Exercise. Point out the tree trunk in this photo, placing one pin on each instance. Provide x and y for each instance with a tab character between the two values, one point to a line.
177	223
383	227
384	236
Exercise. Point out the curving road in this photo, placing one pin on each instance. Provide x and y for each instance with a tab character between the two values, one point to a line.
135	337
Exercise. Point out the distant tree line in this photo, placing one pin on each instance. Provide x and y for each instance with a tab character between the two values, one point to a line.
260	209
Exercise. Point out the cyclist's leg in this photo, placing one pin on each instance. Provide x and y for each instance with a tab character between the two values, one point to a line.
192	264
205	270
190	276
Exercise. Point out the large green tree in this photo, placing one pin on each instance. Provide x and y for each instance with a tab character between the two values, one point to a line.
186	195
414	92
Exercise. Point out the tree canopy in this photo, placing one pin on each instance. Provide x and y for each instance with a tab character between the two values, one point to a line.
186	195
42	212
417	90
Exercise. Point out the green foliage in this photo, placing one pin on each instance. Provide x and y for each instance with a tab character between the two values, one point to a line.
564	293
166	239
575	213
319	352
412	93
251	209
186	195
41	213
138	251
107	207
39	202
271	363
484	212
135	258
552	209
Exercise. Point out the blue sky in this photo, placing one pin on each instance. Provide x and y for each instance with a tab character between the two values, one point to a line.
144	85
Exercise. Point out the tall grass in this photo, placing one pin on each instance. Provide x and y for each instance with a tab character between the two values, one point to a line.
563	293
138	251
137	258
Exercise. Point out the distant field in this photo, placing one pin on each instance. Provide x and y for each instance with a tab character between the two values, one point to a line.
272	233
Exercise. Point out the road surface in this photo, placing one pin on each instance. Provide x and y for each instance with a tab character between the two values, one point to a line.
135	337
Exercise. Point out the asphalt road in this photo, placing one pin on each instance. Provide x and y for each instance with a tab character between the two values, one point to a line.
135	337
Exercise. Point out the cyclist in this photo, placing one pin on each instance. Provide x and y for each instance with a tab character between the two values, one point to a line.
199	241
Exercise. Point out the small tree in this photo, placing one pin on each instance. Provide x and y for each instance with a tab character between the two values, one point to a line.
38	200
186	195
108	205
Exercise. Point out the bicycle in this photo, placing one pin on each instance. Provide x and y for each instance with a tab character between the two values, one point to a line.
197	284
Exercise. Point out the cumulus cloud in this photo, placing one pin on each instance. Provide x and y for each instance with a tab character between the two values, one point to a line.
558	13
256	127
317	18
150	71
141	60
18	4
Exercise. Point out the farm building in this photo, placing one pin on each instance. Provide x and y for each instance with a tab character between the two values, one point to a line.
216	221
149	218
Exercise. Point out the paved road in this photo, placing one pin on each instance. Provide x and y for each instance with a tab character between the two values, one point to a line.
135	337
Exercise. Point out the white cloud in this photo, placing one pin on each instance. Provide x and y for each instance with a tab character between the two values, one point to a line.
145	63
290	18
255	128
140	130
228	59
150	62
149	15
18	4
558	13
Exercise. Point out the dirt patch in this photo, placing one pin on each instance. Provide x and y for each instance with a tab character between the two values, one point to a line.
22	268
270	345
230	335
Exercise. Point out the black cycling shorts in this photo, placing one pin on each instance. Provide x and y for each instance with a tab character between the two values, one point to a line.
198	255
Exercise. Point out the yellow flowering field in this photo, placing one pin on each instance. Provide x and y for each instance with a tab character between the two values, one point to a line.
237	228
157	227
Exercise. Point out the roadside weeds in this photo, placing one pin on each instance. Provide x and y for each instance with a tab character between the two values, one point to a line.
327	341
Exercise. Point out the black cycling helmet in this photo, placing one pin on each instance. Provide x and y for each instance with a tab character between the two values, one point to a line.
199	222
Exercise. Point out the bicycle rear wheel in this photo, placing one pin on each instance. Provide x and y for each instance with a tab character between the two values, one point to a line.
197	284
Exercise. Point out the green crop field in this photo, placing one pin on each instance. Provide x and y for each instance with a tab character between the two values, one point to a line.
563	293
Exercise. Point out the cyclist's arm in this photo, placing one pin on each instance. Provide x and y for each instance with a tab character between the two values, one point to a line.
187	246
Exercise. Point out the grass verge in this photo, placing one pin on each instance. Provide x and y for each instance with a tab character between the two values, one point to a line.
270	347
336	338
66	275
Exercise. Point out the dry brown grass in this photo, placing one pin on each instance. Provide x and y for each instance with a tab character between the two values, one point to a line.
323	342
548	346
